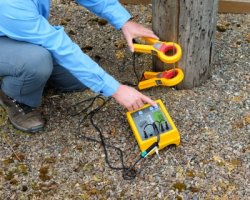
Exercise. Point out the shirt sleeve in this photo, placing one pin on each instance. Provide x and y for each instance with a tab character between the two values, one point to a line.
21	21
110	10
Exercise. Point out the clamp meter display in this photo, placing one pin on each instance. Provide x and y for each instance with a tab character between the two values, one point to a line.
153	124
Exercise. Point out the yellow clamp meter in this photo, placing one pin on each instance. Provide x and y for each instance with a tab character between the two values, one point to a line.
167	78
168	52
153	128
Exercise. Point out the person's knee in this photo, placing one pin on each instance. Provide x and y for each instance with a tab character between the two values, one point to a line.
39	66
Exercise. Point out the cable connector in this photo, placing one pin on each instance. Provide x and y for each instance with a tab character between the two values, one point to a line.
157	153
167	126
152	148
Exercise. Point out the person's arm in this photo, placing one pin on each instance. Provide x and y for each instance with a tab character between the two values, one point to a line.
21	21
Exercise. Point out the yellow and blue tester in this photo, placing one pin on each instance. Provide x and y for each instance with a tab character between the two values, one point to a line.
153	128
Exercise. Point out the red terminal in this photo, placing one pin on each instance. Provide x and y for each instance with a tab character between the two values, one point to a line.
167	48
169	74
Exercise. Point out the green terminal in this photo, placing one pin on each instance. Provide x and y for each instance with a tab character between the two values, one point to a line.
146	152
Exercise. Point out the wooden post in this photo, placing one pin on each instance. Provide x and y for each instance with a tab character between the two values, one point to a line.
191	23
165	18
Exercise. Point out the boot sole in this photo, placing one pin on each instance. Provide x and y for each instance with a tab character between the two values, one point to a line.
32	130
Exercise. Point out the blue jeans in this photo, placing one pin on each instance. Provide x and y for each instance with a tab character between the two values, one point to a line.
26	68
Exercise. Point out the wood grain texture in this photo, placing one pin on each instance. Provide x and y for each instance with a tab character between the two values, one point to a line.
191	24
197	24
165	24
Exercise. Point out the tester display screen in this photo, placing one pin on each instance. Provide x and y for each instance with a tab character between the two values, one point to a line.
147	119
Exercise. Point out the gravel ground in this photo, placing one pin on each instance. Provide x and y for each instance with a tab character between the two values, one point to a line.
212	161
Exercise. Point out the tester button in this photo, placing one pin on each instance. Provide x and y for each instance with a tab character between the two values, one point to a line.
156	106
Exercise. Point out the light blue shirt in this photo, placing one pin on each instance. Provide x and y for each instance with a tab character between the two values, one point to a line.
27	20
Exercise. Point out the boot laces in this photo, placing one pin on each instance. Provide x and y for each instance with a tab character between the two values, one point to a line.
22	107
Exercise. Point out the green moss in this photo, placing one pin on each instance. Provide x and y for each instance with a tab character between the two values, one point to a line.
3	117
34	186
179	197
8	161
236	162
88	167
22	197
220	163
84	196
10	175
180	186
23	169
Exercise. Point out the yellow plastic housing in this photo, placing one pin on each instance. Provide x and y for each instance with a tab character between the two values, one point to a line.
171	137
149	48
154	81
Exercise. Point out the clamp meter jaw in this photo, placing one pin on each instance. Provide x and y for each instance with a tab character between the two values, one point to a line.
153	128
167	52
167	78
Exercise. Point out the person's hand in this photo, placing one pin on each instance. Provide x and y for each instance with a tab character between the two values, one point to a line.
133	30
130	98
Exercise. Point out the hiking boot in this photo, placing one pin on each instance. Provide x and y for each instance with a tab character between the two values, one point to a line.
23	117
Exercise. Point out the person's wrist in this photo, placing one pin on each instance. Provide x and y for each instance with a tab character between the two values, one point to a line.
116	93
131	20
